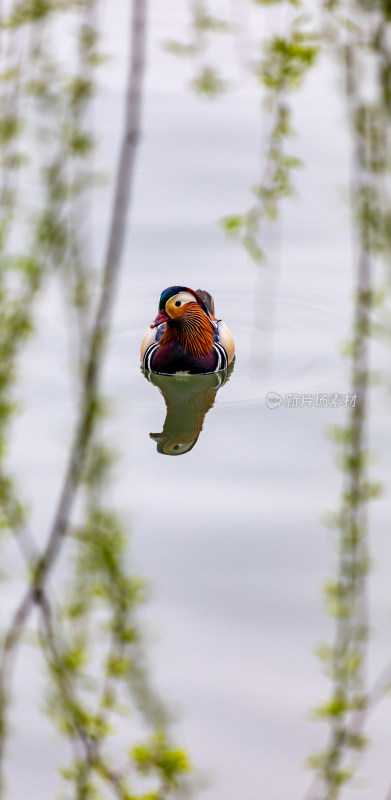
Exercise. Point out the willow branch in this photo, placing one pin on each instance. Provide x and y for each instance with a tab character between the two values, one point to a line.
92	759
85	423
124	182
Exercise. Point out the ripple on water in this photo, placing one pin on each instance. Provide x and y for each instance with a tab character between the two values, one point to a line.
286	340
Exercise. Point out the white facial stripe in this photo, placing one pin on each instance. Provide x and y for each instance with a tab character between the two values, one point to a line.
183	297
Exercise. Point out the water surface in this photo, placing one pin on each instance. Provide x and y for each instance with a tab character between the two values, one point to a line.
228	535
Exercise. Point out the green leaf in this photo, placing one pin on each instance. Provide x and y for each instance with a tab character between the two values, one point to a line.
233	224
209	83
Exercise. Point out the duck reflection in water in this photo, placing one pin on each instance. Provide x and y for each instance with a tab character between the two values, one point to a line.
188	398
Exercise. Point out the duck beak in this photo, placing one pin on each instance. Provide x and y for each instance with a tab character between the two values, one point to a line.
162	316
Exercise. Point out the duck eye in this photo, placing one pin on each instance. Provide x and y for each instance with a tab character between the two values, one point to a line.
178	303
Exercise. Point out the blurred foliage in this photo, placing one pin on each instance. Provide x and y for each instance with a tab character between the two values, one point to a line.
207	81
280	69
359	37
97	681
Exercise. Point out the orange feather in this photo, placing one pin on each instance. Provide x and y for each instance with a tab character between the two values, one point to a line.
192	330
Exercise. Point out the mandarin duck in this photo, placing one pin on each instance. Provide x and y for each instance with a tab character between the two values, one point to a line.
185	337
188	399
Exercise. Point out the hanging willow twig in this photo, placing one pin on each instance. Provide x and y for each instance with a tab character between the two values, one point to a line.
286	59
352	700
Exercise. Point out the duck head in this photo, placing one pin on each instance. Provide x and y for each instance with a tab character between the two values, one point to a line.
174	305
188	322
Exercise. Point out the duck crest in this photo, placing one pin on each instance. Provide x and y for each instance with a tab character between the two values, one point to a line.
193	331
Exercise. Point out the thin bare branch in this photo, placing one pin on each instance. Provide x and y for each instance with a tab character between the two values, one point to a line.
87	415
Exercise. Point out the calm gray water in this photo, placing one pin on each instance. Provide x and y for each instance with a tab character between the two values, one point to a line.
230	535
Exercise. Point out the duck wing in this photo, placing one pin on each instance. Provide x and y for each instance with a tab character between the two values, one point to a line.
208	300
222	334
152	335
